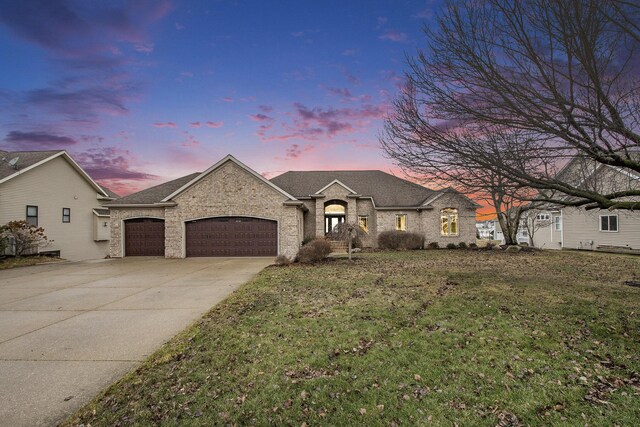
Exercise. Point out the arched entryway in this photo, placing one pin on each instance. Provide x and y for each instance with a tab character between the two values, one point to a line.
335	213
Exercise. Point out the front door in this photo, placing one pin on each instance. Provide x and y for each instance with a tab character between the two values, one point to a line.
330	221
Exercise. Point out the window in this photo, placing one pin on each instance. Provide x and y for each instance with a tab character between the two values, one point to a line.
66	214
542	217
557	223
609	223
32	215
449	222
363	221
401	222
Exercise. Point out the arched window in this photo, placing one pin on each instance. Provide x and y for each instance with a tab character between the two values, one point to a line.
449	222
335	209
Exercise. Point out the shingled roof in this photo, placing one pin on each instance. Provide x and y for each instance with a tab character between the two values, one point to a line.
154	194
25	159
385	189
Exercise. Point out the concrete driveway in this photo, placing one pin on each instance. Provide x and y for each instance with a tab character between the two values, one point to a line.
69	330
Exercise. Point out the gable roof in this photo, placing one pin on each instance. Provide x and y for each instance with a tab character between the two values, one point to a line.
385	189
28	160
155	194
227	158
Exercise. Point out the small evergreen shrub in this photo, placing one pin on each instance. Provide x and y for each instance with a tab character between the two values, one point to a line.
400	240
314	251
463	245
433	245
452	246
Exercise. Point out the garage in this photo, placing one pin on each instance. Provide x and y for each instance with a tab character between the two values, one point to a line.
144	237
231	237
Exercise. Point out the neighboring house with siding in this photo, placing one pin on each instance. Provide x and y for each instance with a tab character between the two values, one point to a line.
231	210
49	189
593	229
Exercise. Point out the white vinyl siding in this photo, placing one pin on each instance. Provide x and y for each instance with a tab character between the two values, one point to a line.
52	186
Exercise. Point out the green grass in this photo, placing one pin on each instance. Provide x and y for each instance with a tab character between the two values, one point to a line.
405	338
25	261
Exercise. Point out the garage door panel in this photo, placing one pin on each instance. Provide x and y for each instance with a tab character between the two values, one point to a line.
144	237
231	236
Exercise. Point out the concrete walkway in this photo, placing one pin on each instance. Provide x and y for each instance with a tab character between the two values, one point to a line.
69	330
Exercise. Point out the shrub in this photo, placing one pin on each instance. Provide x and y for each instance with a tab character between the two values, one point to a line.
24	237
307	239
463	245
400	240
451	246
433	245
282	260
473	246
314	251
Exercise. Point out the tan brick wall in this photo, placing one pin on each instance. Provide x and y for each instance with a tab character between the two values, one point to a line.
232	191
466	221
118	215
387	220
365	207
310	219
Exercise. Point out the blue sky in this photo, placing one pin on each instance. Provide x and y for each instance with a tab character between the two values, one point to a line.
143	91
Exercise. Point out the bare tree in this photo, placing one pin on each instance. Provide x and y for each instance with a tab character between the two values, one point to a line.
533	220
554	80
348	232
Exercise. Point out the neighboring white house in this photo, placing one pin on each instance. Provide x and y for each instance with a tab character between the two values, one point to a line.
50	190
593	229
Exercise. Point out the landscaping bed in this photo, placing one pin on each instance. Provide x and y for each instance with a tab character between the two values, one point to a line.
403	338
25	261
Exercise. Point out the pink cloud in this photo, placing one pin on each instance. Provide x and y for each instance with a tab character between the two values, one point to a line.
165	125
259	117
227	99
394	36
113	168
265	108
295	151
340	91
214	125
316	124
195	124
191	141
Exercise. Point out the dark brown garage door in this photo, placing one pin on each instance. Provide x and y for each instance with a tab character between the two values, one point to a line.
232	236
144	237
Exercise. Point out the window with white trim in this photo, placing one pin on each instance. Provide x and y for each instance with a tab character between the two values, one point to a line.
557	223
32	215
401	222
449	222
609	223
542	217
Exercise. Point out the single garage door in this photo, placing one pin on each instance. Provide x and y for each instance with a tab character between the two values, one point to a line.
232	236
144	237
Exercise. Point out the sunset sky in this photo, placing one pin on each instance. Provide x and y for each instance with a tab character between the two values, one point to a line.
140	92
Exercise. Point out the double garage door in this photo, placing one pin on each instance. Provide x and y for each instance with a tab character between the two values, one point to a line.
210	237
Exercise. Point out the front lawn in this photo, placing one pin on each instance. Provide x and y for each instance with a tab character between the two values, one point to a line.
407	338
